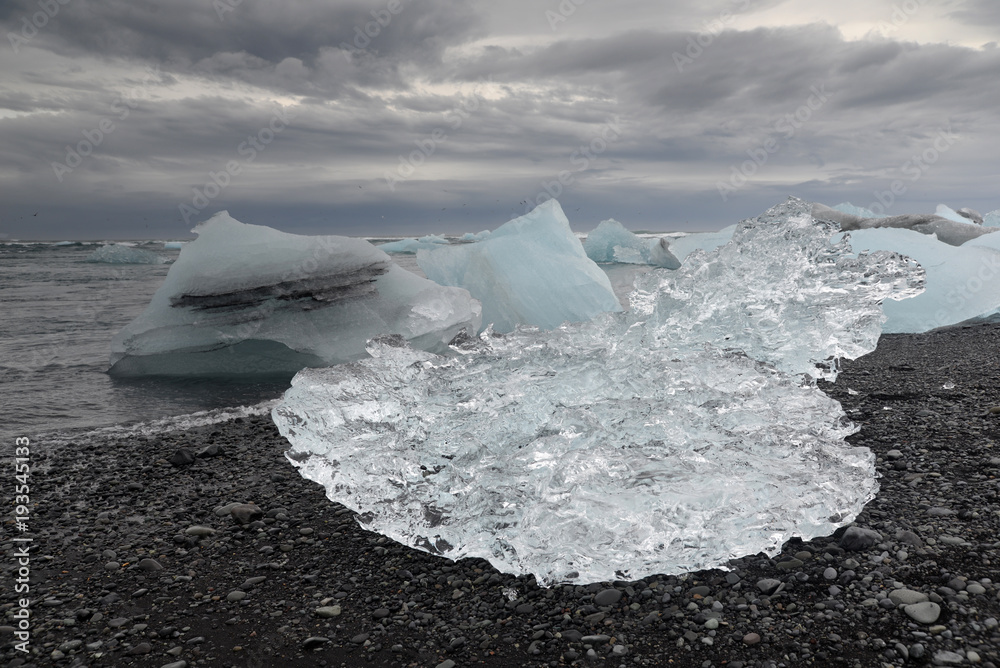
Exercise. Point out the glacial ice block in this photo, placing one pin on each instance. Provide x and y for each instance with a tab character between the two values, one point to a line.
960	280
951	232
612	242
247	299
671	438
410	246
529	271
859	211
118	254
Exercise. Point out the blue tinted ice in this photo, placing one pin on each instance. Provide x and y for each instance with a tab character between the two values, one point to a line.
612	242
671	438
531	271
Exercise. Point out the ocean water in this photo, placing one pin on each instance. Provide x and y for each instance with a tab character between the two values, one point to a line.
58	314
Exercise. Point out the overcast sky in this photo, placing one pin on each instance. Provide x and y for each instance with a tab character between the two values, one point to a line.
138	118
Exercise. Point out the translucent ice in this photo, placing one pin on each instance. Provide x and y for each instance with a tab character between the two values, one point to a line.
705	241
532	270
246	299
671	438
118	254
960	280
612	242
173	245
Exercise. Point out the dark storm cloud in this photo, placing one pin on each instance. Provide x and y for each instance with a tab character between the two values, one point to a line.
188	31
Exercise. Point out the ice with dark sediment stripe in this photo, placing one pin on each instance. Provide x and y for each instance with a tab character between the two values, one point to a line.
249	300
674	437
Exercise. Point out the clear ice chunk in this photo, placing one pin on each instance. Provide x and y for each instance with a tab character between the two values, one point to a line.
118	254
529	271
250	300
612	242
960	279
671	438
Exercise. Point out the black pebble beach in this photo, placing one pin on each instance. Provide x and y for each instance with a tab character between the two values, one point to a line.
206	548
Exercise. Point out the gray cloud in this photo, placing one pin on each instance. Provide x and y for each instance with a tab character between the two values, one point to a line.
686	116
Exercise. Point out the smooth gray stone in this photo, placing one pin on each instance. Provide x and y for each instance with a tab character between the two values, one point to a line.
926	612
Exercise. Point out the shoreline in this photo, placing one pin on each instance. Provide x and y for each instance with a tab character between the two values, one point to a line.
123	576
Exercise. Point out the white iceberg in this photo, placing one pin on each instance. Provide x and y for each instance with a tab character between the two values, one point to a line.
612	242
120	254
529	271
672	438
961	281
247	299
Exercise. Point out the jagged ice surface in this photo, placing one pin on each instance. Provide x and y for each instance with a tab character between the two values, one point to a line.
670	438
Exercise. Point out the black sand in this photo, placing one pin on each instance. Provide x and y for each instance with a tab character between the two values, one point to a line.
104	507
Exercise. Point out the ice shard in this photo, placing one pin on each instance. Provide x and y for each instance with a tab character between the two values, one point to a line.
250	300
670	438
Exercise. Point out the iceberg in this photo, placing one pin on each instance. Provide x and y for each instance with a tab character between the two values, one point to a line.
529	271
670	438
475	236
859	211
704	241
952	232
410	246
173	245
612	242
963	215
992	219
119	254
249	300
960	280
